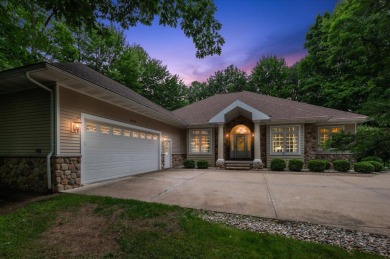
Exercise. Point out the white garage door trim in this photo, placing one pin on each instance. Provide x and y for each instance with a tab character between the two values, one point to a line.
87	117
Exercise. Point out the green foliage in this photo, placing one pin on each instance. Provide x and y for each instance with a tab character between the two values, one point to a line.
188	163
364	167
371	158
202	164
347	66
270	77
295	165
196	18
278	164
341	165
227	81
317	165
378	167
368	141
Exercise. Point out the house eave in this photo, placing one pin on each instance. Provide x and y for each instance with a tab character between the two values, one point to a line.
80	85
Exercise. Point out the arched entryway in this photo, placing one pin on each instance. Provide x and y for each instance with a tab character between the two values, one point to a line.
240	142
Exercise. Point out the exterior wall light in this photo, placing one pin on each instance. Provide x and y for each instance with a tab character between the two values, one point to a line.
75	126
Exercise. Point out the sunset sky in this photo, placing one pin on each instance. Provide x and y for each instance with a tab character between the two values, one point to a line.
251	28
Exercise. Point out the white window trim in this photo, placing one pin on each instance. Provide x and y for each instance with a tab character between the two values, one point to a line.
327	127
211	142
285	153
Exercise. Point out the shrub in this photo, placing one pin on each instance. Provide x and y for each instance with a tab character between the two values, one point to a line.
372	158
188	163
377	166
202	164
295	165
327	164
317	165
364	167
341	165
278	164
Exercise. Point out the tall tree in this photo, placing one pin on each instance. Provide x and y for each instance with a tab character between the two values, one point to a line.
196	17
197	91
349	56
229	80
270	76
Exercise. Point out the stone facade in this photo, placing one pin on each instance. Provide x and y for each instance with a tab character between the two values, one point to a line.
177	159
67	173
28	174
310	142
335	156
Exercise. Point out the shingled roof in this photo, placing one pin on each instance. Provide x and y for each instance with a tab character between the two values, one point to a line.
277	109
101	80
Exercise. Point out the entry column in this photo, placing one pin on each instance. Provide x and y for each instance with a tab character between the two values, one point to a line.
221	161
257	163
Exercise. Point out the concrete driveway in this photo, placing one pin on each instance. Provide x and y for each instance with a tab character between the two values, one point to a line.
349	201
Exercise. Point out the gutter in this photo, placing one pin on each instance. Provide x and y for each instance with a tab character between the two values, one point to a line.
48	157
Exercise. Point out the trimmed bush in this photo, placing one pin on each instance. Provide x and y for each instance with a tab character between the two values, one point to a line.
341	165
364	167
295	165
202	164
327	165
278	164
316	165
188	163
378	167
372	158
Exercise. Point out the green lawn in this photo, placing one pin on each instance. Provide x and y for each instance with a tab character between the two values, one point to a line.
87	226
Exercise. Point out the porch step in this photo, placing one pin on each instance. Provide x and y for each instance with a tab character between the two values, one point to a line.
238	165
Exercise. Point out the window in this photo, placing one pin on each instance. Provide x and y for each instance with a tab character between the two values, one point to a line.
200	141
285	139
325	133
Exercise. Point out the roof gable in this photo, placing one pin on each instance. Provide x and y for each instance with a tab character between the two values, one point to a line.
237	107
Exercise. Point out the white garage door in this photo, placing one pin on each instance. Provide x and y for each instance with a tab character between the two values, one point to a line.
112	151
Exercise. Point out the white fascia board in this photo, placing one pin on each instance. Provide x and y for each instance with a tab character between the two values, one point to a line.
256	114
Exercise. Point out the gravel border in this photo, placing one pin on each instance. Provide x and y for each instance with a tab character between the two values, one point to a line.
345	238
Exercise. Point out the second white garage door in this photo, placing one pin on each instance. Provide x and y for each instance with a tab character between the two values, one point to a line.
116	150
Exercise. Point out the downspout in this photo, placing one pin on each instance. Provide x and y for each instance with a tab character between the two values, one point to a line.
48	157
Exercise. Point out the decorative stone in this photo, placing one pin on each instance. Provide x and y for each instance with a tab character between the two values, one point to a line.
73	175
59	160
71	166
60	187
220	163
58	179
59	173
67	172
78	166
64	167
68	187
78	180
57	167
64	181
71	182
257	164
78	173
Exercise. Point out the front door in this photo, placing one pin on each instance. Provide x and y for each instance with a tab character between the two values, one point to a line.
167	153
240	146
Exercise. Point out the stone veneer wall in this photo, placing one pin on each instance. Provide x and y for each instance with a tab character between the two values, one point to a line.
335	156
26	174
310	142
177	159
67	173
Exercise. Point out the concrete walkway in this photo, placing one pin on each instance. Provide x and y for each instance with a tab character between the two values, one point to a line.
349	201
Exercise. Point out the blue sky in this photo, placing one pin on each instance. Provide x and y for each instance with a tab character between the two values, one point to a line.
251	28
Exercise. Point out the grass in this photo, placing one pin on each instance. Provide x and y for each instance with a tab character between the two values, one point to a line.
90	226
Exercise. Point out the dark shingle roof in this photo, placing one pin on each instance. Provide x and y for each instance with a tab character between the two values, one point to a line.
101	80
276	108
